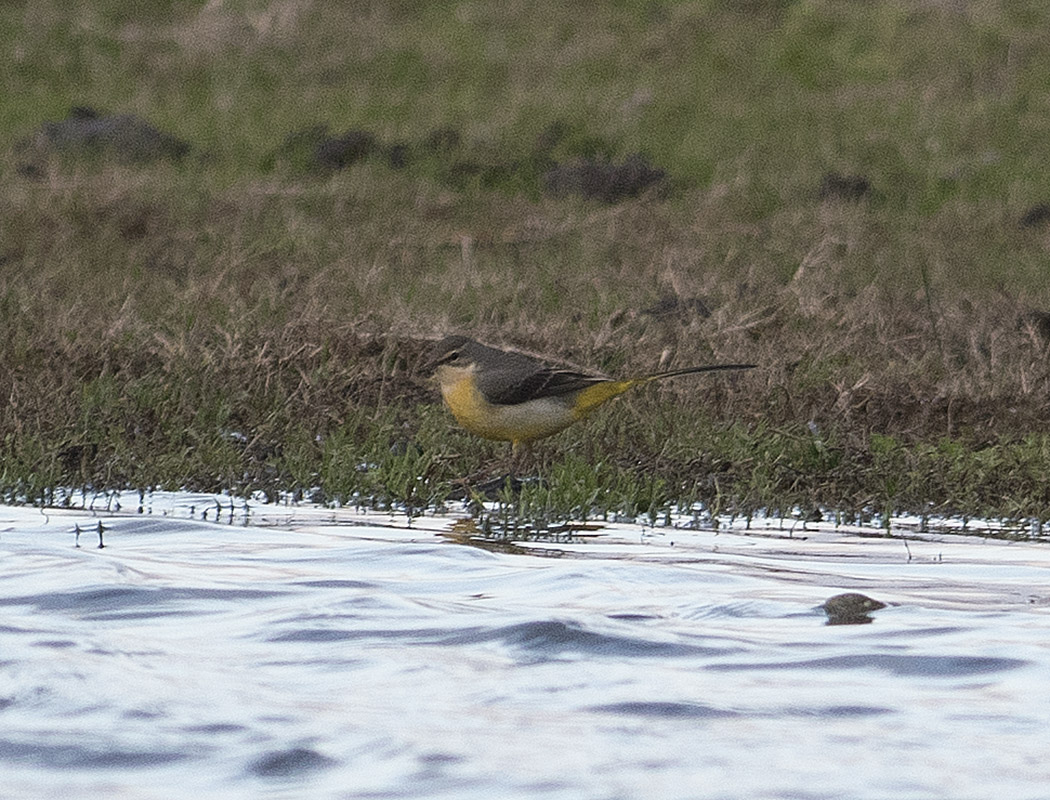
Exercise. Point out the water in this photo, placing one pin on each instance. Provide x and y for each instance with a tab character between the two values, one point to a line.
308	655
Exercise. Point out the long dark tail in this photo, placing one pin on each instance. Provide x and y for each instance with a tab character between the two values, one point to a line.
691	370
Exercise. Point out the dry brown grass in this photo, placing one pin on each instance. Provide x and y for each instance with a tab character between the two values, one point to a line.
230	321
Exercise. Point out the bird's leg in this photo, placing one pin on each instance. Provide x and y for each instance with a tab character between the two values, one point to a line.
516	450
520	456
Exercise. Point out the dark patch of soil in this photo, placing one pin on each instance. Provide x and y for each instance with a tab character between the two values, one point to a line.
337	152
835	186
125	138
1036	216
561	161
606	181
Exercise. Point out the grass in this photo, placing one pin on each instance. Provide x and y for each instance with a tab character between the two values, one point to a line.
238	321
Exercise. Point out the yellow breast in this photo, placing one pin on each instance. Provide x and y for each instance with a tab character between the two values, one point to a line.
522	422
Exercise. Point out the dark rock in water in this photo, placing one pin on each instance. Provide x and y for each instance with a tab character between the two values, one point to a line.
834	186
124	137
1037	215
603	180
290	763
850	608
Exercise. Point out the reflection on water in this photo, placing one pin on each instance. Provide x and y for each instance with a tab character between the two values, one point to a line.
301	652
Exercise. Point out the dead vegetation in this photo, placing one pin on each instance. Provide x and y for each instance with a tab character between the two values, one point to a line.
251	312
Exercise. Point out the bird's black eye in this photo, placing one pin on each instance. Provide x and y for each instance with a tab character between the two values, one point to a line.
448	358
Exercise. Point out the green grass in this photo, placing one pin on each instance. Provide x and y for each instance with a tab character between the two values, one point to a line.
236	322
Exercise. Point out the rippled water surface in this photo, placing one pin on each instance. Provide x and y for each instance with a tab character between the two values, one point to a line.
310	653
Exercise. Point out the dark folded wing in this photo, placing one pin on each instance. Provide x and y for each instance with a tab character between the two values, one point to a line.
509	388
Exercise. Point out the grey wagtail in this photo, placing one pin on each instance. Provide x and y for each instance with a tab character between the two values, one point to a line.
513	397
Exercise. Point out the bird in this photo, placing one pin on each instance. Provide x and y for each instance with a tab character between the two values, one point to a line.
509	396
